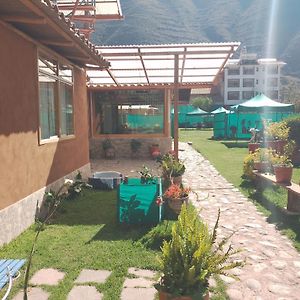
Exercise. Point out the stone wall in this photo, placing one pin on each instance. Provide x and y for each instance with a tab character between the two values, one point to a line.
17	217
123	149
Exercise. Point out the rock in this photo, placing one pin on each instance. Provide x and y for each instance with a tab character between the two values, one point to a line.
253	284
279	289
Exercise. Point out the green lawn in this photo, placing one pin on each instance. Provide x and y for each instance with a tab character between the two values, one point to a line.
227	157
85	234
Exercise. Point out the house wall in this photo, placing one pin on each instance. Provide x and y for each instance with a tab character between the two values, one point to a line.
25	166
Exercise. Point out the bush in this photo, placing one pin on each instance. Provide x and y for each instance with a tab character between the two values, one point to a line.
294	124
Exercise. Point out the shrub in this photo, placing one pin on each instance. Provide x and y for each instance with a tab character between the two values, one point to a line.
248	166
293	123
277	131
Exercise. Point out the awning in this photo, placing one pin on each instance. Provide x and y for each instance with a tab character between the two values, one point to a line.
197	112
41	21
154	65
261	103
219	110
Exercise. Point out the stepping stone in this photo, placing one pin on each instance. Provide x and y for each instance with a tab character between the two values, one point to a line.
98	276
84	292
141	272
138	294
234	294
137	283
279	289
34	293
253	284
47	277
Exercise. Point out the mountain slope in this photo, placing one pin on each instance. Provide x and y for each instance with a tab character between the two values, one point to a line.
179	21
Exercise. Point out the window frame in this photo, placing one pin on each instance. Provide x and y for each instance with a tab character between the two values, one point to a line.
230	99
164	132
58	81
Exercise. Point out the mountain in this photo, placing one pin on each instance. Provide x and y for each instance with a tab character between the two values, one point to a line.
269	27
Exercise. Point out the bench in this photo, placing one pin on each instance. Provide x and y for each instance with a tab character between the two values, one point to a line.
293	203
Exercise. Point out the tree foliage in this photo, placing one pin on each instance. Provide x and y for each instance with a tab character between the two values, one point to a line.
204	103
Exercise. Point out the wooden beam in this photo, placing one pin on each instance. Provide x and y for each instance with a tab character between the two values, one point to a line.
157	59
142	61
57	43
74	9
79	7
25	19
176	99
109	17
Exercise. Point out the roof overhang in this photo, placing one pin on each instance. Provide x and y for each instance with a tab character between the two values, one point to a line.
154	66
41	21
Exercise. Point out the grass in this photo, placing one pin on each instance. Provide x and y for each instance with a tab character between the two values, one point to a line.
85	235
227	157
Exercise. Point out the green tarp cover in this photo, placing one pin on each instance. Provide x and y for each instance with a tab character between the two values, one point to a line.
262	103
137	202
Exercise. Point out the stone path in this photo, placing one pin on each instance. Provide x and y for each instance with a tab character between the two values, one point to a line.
272	270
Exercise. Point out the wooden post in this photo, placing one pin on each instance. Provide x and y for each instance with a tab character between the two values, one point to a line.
176	99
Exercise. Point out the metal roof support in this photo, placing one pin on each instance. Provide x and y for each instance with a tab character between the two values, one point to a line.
176	100
112	77
142	61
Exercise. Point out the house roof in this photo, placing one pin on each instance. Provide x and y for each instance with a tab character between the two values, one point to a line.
154	65
41	21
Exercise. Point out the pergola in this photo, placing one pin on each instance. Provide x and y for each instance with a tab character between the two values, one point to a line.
161	66
87	12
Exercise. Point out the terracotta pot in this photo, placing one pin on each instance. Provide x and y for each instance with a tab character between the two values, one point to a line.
166	296
280	146
253	146
175	204
261	166
283	174
177	180
271	144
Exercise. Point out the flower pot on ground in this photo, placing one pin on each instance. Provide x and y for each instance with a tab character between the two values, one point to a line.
155	151
108	149
191	257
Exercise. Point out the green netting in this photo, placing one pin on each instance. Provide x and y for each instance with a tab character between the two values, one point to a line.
152	123
137	202
237	125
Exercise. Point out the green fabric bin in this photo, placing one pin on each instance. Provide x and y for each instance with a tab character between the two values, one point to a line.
137	202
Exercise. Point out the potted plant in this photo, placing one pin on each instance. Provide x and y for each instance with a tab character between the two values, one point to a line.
172	169
176	195
135	146
154	151
108	149
191	257
146	175
277	133
283	168
254	141
262	159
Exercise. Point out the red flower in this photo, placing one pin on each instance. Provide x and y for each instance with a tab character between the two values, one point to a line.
176	191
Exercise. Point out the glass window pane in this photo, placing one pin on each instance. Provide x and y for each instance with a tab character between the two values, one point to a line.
129	112
66	109
47	107
66	73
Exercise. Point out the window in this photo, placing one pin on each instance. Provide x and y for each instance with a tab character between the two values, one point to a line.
248	95
256	81
272	69
56	99
233	95
233	71
129	112
272	82
248	82
233	83
248	70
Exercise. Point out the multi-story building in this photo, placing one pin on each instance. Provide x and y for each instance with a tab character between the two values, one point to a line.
248	76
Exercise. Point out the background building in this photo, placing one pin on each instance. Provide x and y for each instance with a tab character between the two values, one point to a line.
248	76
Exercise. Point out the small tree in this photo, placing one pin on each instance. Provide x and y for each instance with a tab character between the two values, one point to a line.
204	103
